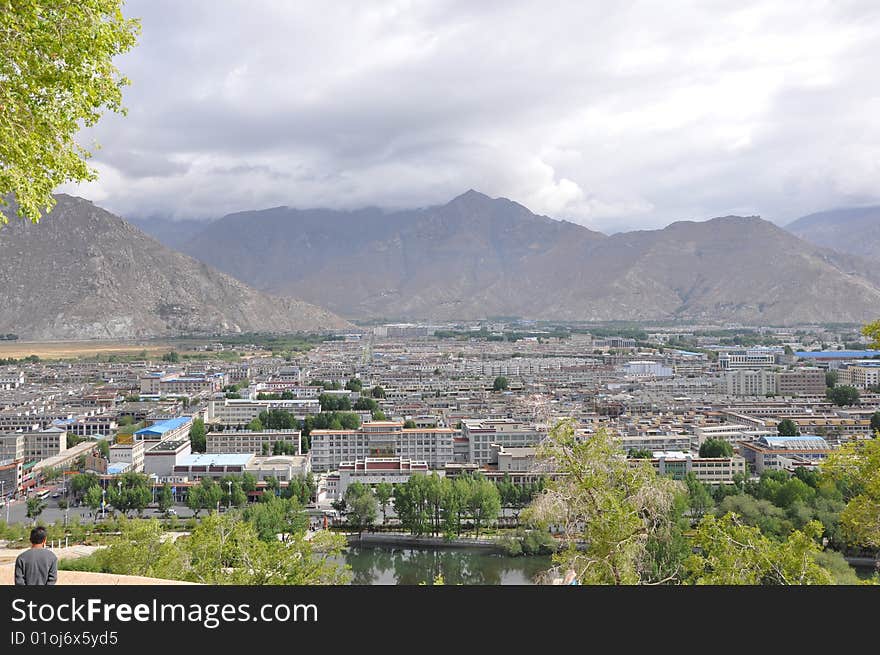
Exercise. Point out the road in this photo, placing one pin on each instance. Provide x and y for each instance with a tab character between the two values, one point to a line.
53	513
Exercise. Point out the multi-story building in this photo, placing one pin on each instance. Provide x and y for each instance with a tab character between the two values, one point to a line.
162	383
11	380
773	453
234	412
731	432
91	426
131	454
283	468
710	470
381	439
168	430
748	382
373	470
751	358
244	441
215	465
161	458
483	433
801	382
863	375
33	445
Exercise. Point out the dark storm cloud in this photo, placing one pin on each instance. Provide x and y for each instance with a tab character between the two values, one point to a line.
615	115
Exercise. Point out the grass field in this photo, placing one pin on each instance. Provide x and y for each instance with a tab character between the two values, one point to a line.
75	349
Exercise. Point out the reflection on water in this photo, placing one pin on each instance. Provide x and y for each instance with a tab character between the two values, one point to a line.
387	565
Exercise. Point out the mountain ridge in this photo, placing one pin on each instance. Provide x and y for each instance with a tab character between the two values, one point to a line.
83	272
477	256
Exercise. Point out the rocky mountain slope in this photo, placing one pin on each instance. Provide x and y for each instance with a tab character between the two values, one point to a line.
84	273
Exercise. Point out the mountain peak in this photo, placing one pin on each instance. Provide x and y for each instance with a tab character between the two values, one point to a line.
471	197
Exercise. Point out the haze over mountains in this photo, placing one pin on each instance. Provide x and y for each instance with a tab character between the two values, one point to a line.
856	230
84	273
476	257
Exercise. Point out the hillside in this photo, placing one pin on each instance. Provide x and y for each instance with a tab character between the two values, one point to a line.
83	273
855	231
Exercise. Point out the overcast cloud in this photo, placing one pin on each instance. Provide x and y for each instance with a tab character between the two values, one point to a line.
617	115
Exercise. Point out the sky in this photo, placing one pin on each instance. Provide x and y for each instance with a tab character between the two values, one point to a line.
618	116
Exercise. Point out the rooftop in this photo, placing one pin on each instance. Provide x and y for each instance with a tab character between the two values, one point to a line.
218	459
165	426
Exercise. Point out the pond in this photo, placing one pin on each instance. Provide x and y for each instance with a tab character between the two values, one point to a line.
393	565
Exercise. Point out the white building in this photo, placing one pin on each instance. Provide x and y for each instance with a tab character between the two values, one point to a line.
381	439
483	433
753	358
373	470
244	441
234	412
131	454
161	458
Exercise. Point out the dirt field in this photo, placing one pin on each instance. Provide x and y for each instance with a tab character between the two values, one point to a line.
71	349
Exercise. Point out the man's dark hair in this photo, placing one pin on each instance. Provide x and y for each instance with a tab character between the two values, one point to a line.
38	535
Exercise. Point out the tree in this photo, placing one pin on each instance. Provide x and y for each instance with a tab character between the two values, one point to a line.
57	76
50	473
166	499
872	331
365	404
377	392
248	482
198	436
875	421
255	425
856	467
173	357
699	499
409	424
500	384
132	492
104	448
484	502
639	453
334	403
93	498
716	448
728	552
384	492
362	506
277	516
831	379
205	495
233	494
35	507
613	506
82	482
354	385
787	428
843	395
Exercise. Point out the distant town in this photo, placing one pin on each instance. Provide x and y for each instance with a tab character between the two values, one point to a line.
310	416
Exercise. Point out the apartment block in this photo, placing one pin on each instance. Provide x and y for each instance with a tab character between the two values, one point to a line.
381	439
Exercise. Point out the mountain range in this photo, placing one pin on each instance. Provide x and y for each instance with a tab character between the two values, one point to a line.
477	256
855	231
82	273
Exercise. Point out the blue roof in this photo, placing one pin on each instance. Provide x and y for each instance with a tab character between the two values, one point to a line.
117	467
215	459
162	427
838	354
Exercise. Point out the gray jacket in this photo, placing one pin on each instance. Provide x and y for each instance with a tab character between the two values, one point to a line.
36	566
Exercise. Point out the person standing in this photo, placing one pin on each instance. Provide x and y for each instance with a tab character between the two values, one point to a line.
37	565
